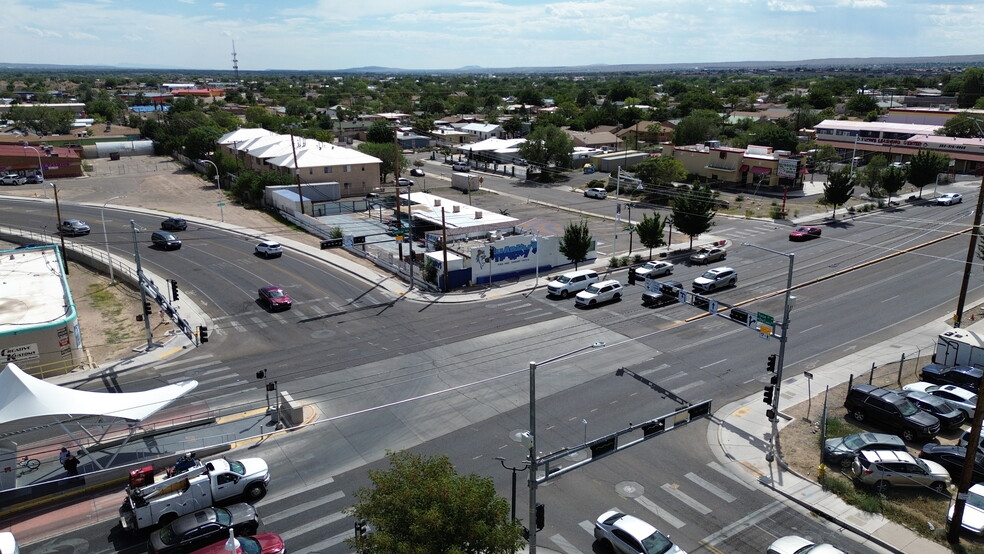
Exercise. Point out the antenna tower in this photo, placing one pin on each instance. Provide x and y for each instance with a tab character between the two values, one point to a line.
235	62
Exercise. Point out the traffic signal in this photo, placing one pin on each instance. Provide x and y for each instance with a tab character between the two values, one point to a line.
174	290
770	414
146	308
770	366
202	333
769	391
360	528
540	517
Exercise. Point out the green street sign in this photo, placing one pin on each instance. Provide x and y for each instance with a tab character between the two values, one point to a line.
220	204
765	318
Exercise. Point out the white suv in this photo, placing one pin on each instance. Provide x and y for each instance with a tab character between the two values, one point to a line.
883	469
574	281
605	291
269	249
460	166
717	278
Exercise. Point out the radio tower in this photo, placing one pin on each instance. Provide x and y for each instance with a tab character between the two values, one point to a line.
235	62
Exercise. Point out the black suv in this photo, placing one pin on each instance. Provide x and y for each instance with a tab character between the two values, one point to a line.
889	409
964	376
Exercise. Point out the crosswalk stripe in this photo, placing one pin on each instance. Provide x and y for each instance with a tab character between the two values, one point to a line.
562	544
331	541
688	386
185	360
311	526
742	524
711	487
302	508
259	322
720	469
239	326
588	526
281	318
660	512
685	498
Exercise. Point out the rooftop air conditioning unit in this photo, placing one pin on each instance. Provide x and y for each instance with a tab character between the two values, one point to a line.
437	202
455	209
478	214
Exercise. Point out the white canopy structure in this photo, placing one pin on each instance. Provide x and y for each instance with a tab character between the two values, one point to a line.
23	396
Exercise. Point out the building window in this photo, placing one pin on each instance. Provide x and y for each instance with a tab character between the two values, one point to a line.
346	186
327	170
347	169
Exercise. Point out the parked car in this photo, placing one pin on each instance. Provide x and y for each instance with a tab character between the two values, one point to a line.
652	269
885	408
708	255
973	516
268	249
949	416
952	458
166	240
805	233
404	182
960	398
963	376
264	543
174	224
595	193
274	298
798	545
597	293
884	469
571	282
13	179
842	450
666	293
35	179
948	199
714	279
627	534
416	172
73	227
203	527
459	166
964	440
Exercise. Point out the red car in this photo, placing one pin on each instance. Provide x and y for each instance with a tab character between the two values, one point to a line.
264	543
804	233
274	298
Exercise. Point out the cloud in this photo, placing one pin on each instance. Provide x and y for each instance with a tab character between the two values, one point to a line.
861	4
780	6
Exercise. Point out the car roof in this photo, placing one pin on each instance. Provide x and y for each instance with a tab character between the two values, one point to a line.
887	456
608	282
634	526
719	270
270	242
193	520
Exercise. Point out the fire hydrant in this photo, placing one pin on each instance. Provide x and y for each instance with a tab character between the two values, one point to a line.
821	472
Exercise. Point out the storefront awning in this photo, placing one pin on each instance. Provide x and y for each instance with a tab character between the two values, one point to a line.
743	169
761	170
804	171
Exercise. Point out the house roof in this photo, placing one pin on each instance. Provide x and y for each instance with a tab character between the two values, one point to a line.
320	154
244	134
23	396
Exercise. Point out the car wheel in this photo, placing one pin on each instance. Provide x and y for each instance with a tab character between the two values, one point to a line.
732	282
617	297
858	415
255	492
591	303
908	435
564	294
939	487
881	487
846	463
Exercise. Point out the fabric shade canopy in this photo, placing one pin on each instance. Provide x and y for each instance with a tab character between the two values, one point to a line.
23	396
743	169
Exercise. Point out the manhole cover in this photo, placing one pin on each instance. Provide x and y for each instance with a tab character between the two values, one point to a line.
629	489
322	334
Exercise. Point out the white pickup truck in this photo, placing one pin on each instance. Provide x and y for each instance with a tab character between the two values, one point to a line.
203	485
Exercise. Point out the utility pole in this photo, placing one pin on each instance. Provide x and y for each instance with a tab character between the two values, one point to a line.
297	173
61	235
143	290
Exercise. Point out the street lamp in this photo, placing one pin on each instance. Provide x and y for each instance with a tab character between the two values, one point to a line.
529	437
513	470
40	168
232	544
218	184
787	305
60	234
102	214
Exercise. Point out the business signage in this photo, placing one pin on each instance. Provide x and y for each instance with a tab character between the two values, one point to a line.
787	168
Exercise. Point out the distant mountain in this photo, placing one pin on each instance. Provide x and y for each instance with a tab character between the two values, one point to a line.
812	64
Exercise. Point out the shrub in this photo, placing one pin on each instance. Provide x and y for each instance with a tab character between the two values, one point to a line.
637	259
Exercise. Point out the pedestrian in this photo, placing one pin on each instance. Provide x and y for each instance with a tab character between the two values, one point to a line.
72	465
63	456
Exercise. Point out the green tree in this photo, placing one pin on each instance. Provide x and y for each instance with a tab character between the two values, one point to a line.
964	126
971	87
513	126
839	188
860	104
650	231
870	176
576	242
200	141
547	144
893	179
925	166
661	171
380	132
824	156
770	134
697	127
422	505
389	156
694	209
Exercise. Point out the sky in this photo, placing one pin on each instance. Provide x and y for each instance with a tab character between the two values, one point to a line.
451	34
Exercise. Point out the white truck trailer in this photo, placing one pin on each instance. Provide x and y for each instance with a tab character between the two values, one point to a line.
203	485
959	347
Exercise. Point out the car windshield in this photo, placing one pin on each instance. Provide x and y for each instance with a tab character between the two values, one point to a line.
237	467
276	294
592	290
907	408
223	516
709	275
854	442
167	536
563	279
703	252
249	545
657	543
975	500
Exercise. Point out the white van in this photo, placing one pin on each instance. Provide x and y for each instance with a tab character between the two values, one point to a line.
570	283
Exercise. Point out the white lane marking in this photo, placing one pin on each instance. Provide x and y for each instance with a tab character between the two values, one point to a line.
330	542
239	326
301	508
686	499
521	306
808	329
259	322
588	526
713	363
687	387
654	370
710	487
311	526
740	525
562	544
186	360
660	512
720	469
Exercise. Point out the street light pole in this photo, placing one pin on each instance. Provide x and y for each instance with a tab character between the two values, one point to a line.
109	257
513	470
218	183
61	235
787	305
531	438
40	168
143	290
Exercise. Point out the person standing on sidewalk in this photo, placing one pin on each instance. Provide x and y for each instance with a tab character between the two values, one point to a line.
63	457
72	465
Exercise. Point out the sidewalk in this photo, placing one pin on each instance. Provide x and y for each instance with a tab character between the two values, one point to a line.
739	435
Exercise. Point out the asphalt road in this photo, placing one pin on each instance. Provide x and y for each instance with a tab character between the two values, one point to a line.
389	352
